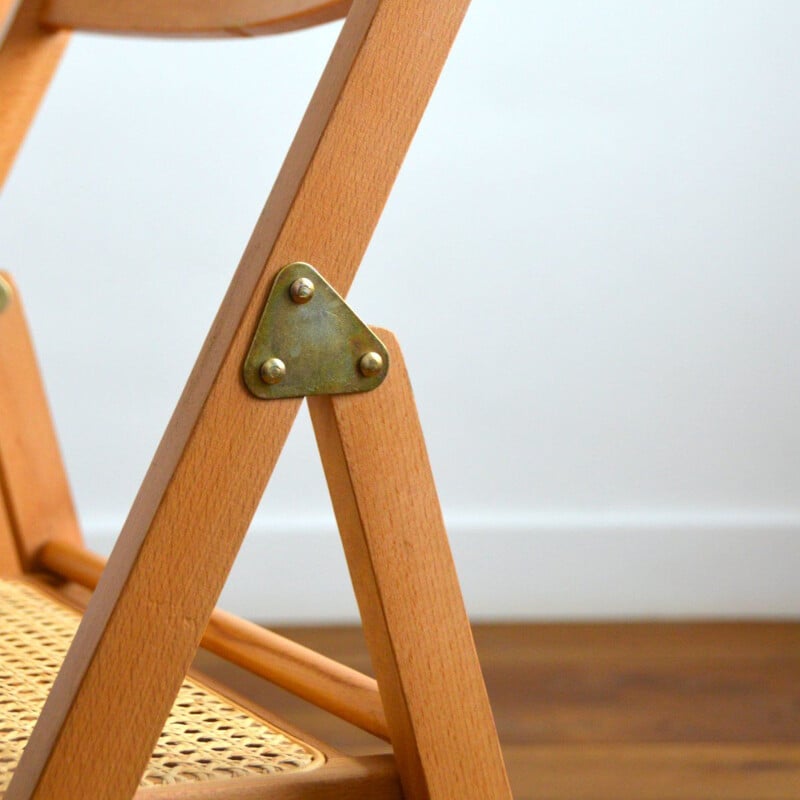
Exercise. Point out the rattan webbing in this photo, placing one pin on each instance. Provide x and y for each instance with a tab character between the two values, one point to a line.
206	737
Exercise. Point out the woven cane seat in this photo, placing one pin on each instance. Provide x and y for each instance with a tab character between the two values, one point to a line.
207	736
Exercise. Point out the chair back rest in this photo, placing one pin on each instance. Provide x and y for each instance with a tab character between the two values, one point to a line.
191	17
39	30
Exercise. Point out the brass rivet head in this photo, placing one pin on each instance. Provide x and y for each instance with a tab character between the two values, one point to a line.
302	290
5	294
272	371
370	364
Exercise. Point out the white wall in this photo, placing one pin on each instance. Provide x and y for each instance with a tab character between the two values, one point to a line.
591	257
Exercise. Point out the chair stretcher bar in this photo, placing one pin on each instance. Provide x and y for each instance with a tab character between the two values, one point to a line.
326	683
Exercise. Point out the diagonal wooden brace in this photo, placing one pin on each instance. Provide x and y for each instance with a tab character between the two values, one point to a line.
417	630
96	733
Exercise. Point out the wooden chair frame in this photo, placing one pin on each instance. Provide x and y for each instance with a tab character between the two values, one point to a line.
100	722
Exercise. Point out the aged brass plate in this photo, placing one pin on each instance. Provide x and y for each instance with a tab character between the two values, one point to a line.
309	341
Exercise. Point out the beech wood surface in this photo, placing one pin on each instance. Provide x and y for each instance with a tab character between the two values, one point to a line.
341	778
72	563
415	623
10	565
326	683
9	558
101	720
358	776
609	711
34	484
6	7
29	55
75	596
192	17
319	680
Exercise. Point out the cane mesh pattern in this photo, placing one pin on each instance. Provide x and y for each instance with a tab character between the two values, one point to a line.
206	737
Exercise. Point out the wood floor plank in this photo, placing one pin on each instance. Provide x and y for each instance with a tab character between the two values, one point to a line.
646	711
655	772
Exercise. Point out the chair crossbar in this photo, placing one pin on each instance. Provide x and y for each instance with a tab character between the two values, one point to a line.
328	684
198	18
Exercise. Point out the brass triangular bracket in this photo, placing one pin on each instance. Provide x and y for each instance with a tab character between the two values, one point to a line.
309	341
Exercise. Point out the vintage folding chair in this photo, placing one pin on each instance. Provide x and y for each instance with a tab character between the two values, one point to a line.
106	727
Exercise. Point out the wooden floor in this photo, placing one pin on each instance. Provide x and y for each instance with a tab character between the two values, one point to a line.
619	711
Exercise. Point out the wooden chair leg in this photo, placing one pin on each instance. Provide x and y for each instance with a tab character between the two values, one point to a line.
143	624
35	502
34	484
417	630
9	557
29	55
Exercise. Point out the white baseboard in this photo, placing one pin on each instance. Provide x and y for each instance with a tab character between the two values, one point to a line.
542	566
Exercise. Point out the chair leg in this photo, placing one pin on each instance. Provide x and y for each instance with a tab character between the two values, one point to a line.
9	558
34	484
29	55
416	627
102	718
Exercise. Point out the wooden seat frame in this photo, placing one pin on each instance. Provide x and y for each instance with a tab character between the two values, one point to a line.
154	601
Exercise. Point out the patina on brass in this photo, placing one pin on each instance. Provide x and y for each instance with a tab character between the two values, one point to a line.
370	364
319	341
273	370
6	293
302	290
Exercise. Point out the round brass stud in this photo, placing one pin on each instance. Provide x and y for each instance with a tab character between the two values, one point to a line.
370	364
6	293
272	371
302	290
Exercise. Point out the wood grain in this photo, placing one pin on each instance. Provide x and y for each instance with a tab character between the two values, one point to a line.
662	772
34	485
10	565
383	493
690	683
6	7
192	17
343	778
618	711
328	684
29	55
349	776
152	604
